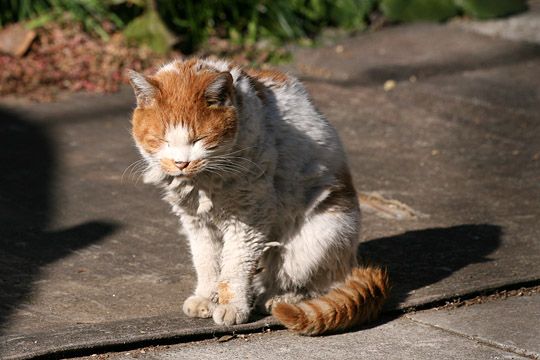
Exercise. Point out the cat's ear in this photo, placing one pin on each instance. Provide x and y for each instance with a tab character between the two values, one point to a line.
145	88
220	92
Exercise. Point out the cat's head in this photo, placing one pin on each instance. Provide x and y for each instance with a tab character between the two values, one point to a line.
185	116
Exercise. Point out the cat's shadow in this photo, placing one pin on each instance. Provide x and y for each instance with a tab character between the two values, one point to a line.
417	259
28	169
420	258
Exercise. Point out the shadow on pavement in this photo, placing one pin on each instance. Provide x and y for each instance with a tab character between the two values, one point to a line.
376	75
416	259
27	170
398	72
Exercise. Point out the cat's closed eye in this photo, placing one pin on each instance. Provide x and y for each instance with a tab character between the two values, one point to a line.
196	140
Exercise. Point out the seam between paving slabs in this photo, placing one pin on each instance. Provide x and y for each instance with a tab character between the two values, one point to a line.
438	302
493	344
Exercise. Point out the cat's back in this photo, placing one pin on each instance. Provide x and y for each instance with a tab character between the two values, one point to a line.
300	129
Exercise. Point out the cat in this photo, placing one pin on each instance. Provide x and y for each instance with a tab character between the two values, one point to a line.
260	182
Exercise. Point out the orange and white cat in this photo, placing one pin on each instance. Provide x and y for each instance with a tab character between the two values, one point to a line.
260	182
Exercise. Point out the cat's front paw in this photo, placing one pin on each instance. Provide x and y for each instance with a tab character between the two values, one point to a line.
198	306
229	314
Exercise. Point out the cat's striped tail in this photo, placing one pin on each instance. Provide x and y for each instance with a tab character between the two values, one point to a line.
358	300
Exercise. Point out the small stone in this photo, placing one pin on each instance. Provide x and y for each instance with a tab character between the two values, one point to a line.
389	85
16	39
412	78
226	338
339	49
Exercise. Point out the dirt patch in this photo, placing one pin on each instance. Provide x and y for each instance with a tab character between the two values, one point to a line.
373	202
499	295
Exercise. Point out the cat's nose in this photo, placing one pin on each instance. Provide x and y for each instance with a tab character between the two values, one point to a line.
182	164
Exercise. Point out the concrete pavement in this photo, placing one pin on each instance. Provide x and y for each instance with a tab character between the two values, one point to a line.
491	330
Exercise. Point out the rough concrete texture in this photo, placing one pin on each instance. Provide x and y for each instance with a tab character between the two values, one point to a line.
398	339
87	249
510	324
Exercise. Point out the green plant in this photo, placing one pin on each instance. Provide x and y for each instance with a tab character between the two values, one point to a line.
150	30
486	9
440	10
90	13
246	21
411	10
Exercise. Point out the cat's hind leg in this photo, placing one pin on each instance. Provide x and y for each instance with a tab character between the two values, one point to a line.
322	253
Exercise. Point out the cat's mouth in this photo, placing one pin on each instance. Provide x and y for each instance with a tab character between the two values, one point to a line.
181	168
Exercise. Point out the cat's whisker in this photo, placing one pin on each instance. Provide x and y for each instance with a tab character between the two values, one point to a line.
227	170
212	172
237	151
231	169
239	158
236	161
233	164
131	167
138	168
223	157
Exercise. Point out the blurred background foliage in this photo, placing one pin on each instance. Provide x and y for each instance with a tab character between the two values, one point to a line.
162	24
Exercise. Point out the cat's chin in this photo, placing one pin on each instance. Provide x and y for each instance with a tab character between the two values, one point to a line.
181	175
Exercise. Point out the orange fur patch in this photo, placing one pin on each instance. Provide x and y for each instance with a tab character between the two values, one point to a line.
168	165
290	315
225	295
273	76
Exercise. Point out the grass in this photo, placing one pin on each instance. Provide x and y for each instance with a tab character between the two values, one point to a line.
190	23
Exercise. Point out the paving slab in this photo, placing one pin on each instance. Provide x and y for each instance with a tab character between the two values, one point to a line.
510	324
397	339
88	249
